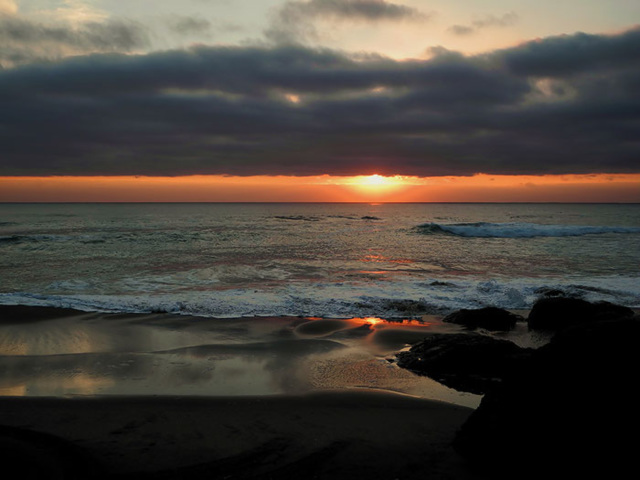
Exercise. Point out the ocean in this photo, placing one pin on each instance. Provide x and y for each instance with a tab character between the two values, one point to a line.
320	260
281	299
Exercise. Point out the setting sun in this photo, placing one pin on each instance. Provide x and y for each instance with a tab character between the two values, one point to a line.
375	180
376	187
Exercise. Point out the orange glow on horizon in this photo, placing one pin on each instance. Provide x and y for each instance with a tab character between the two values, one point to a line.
324	188
376	185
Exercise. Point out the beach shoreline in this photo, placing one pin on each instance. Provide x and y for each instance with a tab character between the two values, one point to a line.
333	433
342	426
60	352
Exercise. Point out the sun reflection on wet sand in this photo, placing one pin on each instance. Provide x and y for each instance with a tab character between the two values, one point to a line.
162	354
394	323
372	320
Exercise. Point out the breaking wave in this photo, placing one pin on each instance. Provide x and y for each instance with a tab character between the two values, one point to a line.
404	299
519	230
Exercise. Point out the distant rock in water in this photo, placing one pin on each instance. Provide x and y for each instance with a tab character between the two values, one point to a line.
304	218
467	362
557	313
489	318
570	409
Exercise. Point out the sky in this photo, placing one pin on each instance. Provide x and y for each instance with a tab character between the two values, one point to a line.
319	100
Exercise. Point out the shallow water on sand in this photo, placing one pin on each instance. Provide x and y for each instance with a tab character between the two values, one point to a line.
102	354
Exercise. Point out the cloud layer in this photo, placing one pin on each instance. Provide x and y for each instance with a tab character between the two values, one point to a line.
369	10
24	40
567	104
294	21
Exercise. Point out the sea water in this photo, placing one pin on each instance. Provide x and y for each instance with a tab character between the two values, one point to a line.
267	299
321	260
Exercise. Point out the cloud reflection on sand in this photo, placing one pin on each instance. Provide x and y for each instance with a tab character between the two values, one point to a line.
106	354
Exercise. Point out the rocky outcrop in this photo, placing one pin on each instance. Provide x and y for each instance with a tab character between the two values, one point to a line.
467	362
557	313
569	409
489	318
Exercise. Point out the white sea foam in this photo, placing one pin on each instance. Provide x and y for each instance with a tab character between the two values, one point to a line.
342	300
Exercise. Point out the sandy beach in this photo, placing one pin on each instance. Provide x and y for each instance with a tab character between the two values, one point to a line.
161	396
143	396
325	436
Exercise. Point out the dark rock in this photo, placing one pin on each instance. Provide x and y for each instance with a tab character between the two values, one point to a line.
571	408
22	314
394	339
438	283
549	292
467	362
556	313
489	318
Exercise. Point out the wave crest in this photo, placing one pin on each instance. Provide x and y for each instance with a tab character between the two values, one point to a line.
519	230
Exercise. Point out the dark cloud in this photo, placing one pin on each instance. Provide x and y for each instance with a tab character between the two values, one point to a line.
506	20
23	40
568	104
569	55
355	9
370	10
294	21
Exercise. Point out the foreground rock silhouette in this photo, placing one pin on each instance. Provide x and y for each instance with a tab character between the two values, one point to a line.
468	362
570	409
567	408
557	313
489	318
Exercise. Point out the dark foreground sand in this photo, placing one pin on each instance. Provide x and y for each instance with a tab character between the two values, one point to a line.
359	435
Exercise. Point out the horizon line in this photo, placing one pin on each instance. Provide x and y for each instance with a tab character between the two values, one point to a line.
318	203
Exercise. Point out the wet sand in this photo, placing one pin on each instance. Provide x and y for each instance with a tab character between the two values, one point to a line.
57	352
89	395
